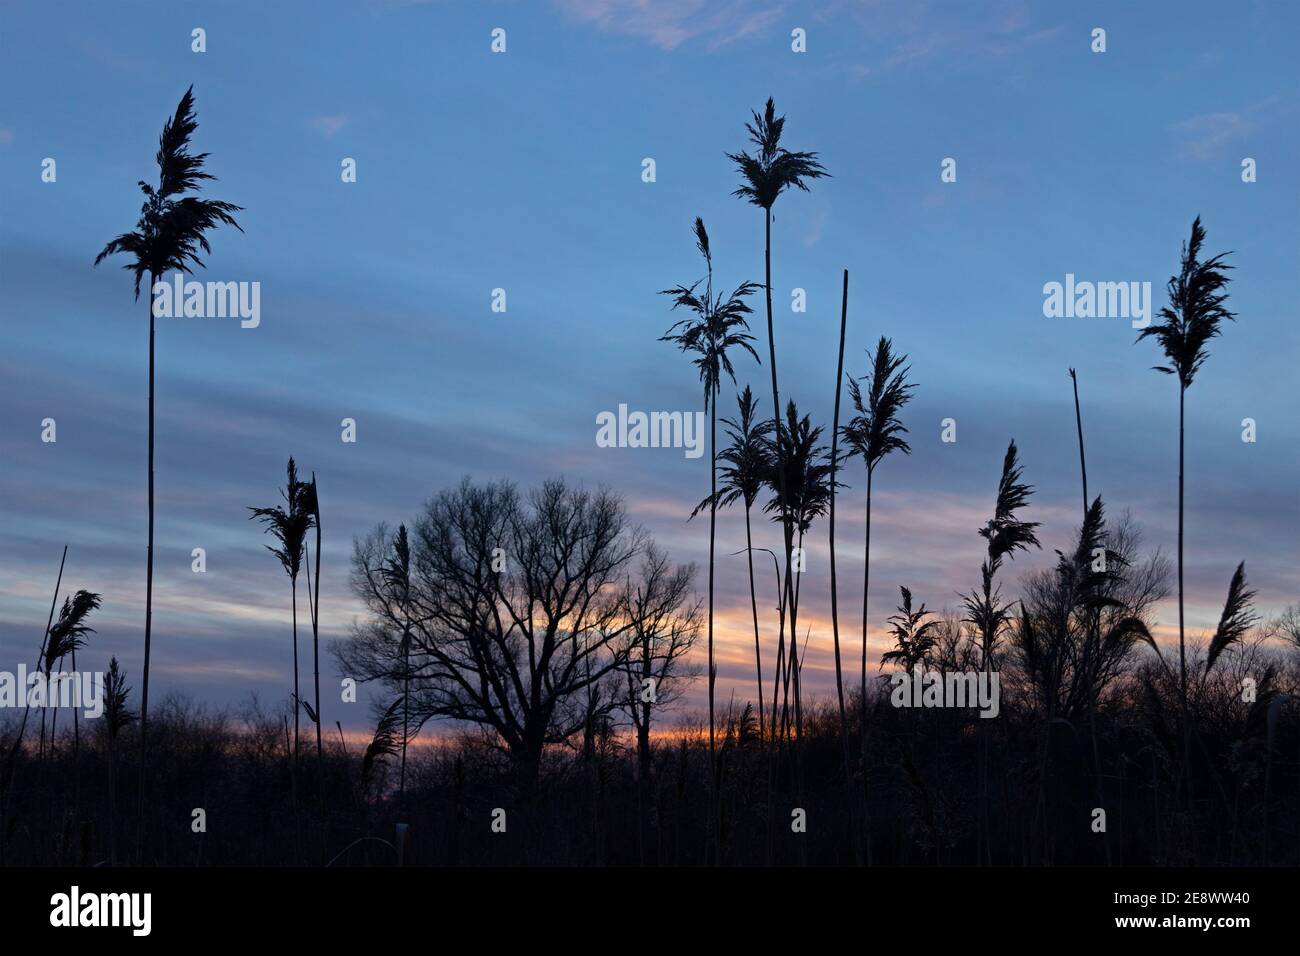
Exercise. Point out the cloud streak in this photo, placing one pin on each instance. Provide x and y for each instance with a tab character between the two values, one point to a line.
669	24
329	126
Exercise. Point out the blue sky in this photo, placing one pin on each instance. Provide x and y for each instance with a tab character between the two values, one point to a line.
522	171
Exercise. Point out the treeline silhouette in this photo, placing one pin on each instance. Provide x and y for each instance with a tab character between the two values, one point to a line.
592	805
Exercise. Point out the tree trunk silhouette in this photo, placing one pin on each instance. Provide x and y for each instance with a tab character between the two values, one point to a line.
406	707
643	758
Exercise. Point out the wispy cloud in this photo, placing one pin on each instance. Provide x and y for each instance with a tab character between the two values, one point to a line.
1206	136
6	137
917	34
106	54
670	23
328	126
816	225
901	36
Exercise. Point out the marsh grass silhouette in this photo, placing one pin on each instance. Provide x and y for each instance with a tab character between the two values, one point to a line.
835	599
528	626
311	505
716	328
744	464
117	716
168	236
289	524
1237	618
766	174
68	633
1192	318
11	753
1006	534
913	640
798	463
874	432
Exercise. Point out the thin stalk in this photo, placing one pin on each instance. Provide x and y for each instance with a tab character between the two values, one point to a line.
76	745
1094	628
11	767
1182	652
1078	420
714	797
787	530
315	653
293	774
148	601
835	605
866	590
315	630
753	604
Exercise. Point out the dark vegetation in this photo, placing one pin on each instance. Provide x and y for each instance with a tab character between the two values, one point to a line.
588	807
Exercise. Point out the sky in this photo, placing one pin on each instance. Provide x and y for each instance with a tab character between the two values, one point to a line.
523	171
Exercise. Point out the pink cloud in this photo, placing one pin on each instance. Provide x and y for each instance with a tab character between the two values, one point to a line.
327	126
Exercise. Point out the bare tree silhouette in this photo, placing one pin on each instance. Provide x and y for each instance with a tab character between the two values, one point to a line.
515	612
664	614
